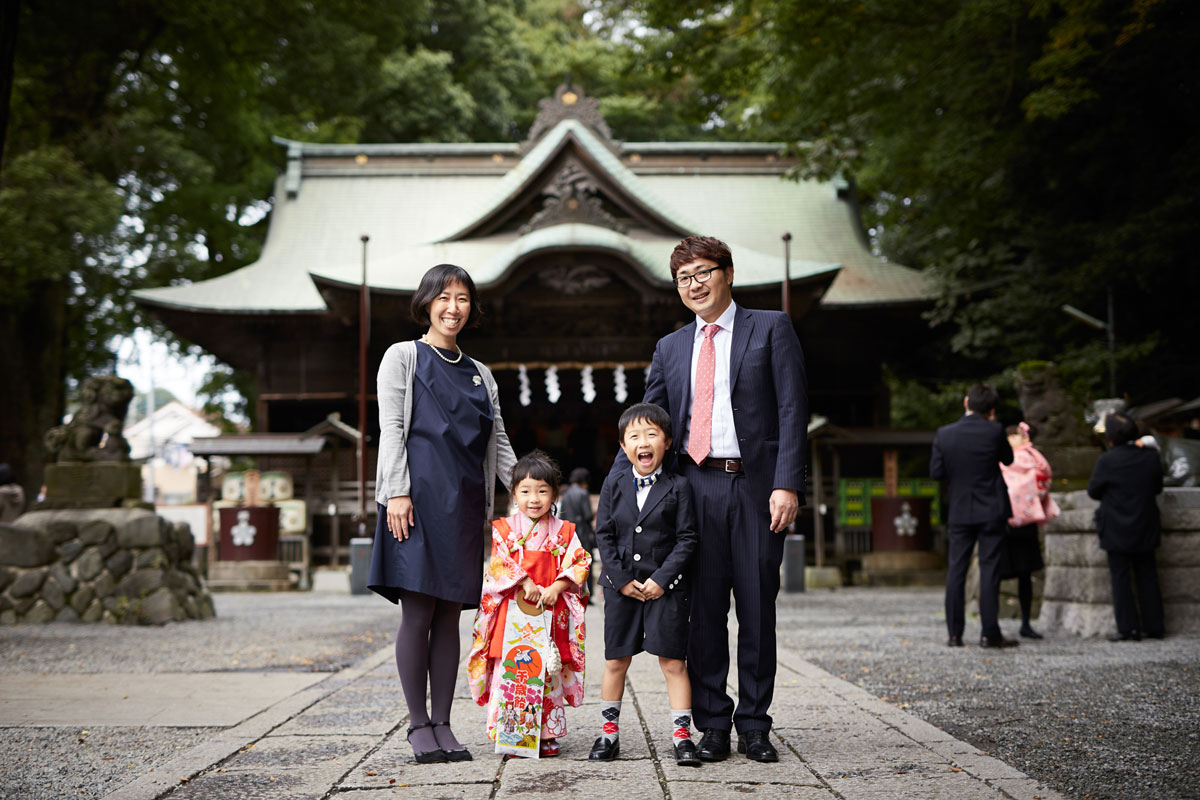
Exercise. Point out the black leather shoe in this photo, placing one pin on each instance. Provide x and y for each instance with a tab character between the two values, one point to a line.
437	756
1028	632
461	754
603	750
1159	635
954	641
1126	637
714	745
997	641
757	746
685	753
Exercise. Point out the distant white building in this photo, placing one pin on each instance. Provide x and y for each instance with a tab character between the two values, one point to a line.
162	442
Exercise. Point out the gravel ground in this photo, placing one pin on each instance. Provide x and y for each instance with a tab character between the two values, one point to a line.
1091	718
261	632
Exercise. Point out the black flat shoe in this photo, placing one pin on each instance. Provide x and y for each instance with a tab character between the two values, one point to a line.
757	747
461	754
685	754
954	641
437	756
604	750
1126	637
714	745
1029	633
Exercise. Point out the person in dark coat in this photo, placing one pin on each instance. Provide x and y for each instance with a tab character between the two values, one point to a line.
1126	480
646	530
575	505
735	385
967	454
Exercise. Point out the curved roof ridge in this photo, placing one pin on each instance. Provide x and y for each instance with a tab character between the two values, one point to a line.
535	162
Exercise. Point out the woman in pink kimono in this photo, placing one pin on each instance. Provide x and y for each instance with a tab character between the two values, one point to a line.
538	555
1028	482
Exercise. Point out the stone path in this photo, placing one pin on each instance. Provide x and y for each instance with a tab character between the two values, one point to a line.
344	737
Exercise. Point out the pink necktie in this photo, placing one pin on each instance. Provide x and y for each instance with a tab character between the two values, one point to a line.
700	435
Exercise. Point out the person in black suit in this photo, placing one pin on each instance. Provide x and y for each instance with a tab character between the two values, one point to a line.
968	454
1126	480
646	530
736	388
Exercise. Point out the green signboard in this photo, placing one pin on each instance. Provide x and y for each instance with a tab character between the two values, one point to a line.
854	498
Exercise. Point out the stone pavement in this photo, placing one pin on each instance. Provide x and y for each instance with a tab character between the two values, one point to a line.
344	737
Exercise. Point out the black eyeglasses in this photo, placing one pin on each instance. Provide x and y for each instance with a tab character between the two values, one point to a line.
701	276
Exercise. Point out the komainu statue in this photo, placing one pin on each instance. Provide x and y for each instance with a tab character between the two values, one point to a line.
95	432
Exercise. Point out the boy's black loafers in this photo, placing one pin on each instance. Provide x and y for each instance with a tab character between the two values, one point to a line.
757	747
686	754
604	750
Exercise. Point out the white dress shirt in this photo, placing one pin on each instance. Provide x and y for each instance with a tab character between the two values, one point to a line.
644	491
724	443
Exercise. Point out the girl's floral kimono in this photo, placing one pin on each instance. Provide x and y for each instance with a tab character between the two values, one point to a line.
1028	482
552	551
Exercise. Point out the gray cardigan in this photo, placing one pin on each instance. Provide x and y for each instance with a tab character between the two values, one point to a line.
394	388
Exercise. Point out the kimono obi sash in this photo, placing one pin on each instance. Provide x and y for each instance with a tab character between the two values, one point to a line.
542	568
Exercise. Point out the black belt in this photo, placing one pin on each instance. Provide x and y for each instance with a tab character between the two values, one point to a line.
723	464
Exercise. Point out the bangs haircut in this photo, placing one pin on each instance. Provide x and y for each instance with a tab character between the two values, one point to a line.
433	283
645	412
694	247
537	466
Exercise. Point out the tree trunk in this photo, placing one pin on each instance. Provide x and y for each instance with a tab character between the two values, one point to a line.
31	360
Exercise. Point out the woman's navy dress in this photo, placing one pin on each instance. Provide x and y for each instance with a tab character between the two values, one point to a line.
447	443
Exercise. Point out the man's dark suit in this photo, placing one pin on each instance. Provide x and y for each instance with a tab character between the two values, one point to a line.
656	543
968	454
1126	480
738	551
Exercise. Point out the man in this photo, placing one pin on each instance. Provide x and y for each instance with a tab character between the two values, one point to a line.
575	505
734	384
968	454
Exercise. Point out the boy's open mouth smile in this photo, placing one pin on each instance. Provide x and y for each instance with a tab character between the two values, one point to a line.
646	458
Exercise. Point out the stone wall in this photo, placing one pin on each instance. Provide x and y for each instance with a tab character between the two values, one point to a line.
1077	596
112	565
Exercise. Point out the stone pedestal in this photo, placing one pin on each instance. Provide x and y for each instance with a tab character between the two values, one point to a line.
1078	590
93	484
120	565
248	576
903	568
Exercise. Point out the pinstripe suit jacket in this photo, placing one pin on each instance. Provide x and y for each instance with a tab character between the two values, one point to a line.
769	393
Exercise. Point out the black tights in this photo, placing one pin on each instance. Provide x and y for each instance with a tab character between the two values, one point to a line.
427	651
1025	596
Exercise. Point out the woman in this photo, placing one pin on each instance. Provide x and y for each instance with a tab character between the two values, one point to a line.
441	448
1126	480
1028	482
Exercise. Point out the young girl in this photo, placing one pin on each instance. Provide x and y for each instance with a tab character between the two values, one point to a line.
538	555
1028	481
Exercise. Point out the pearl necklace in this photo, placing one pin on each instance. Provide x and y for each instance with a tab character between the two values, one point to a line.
439	352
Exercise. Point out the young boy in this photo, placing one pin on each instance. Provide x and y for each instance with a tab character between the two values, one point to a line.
646	533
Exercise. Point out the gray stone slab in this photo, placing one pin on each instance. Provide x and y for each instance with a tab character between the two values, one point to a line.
450	791
948	785
531	779
327	758
703	790
166	699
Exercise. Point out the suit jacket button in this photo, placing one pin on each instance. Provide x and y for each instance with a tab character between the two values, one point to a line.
637	556
638	529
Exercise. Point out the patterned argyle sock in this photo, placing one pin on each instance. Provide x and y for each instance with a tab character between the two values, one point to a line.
611	711
681	724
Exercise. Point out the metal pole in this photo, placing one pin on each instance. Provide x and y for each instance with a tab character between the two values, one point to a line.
364	323
787	274
1112	347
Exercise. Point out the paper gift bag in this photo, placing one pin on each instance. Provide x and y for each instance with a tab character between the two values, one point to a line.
519	680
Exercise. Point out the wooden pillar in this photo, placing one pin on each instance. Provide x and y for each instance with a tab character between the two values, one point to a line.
818	498
839	540
334	531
